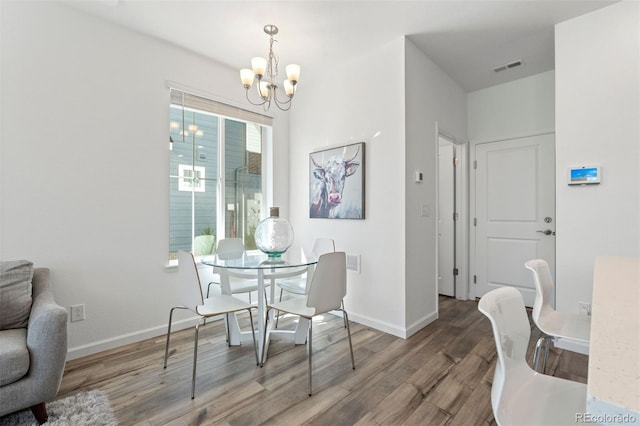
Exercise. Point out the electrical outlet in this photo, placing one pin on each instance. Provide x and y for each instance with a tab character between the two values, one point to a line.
584	308
77	313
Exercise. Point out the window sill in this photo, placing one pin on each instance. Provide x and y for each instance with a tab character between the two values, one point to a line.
172	265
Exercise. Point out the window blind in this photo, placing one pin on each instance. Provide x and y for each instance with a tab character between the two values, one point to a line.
188	100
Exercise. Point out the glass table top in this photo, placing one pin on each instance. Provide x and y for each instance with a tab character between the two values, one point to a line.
256	260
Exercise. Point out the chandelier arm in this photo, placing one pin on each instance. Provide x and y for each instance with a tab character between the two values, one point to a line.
264	101
280	101
288	104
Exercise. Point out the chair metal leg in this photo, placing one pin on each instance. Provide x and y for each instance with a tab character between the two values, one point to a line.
280	300
166	348
536	354
195	361
264	337
353	362
253	332
545	340
346	320
546	355
208	290
310	338
226	328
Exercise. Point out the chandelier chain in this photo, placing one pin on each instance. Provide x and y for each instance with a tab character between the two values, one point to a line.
273	61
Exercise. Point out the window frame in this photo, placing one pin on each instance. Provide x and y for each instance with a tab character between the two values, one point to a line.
266	127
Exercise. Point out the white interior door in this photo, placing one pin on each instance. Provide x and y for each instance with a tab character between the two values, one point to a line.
514	212
446	223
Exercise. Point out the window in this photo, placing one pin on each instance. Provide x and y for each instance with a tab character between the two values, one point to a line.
191	178
216	173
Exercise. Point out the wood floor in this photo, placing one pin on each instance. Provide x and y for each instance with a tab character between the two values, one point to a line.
440	376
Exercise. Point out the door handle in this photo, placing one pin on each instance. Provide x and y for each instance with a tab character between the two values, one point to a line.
547	232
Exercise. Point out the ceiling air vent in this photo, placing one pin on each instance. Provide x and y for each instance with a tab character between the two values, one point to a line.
509	66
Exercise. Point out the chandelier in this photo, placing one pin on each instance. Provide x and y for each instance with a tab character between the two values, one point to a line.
266	71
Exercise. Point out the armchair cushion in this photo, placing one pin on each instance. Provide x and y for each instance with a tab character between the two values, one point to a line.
15	293
14	355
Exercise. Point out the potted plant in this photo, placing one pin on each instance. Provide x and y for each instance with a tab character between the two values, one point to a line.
205	244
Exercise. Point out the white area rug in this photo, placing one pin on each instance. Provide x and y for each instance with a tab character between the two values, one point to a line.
86	408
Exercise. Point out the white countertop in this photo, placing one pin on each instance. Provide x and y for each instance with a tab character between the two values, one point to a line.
613	387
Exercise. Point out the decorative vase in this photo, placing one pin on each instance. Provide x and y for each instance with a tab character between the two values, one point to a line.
274	235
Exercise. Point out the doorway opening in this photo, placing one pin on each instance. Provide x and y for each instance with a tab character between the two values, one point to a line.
451	217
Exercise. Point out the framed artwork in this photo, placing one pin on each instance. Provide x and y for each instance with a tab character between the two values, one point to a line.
336	182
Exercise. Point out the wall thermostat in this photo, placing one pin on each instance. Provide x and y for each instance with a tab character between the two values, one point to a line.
584	175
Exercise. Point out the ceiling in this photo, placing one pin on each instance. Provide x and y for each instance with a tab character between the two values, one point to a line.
467	39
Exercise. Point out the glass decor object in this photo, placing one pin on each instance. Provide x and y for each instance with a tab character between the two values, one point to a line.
274	235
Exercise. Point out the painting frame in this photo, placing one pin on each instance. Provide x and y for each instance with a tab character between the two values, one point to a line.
337	182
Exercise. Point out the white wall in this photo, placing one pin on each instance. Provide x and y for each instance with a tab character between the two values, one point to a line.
518	108
597	121
394	111
431	97
84	165
350	105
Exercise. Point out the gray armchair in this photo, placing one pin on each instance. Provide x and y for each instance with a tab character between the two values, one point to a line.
32	359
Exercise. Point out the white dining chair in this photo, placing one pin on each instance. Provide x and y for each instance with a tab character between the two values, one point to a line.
327	289
234	281
521	396
191	298
573	328
300	284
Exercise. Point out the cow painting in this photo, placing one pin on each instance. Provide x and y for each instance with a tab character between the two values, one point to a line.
333	193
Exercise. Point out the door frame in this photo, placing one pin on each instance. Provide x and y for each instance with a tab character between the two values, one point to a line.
472	199
462	283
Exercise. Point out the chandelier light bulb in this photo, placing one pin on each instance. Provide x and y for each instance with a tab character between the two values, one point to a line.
288	88
246	76
259	66
264	89
293	73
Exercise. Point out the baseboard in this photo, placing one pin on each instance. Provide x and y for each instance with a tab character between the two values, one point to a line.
394	329
125	339
422	323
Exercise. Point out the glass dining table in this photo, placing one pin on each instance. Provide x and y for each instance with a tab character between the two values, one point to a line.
255	264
